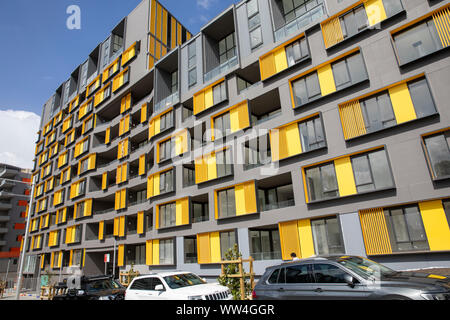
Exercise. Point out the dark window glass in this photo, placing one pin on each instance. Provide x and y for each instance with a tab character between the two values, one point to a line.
439	154
327	236
274	276
327	273
406	229
421	97
298	274
226	199
341	74
371	171
418	41
392	7
322	182
312	85
311	134
356	68
378	112
227	241
296	51
265	244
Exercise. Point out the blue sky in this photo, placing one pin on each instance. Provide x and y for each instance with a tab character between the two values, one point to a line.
39	51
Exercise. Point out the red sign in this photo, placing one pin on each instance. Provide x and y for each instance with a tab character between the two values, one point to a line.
106	258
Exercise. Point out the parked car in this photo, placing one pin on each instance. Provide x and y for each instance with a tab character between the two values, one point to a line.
175	286
347	277
95	288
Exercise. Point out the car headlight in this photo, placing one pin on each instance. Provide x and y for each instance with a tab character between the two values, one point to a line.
80	292
433	296
195	298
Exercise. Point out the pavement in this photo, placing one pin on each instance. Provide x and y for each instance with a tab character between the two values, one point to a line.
23	296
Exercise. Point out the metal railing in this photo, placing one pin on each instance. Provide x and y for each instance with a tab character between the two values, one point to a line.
221	69
167	102
277	205
300	22
272	255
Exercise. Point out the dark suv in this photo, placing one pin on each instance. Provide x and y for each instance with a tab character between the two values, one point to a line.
94	288
347	277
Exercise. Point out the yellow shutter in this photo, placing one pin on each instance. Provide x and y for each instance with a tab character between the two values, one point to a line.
245	198
149	252
239	117
182	212
120	255
289	239
101	230
326	80
104	180
375	11
149	187
116	227
142	165
140	222
144	113
108	135
267	66
375	232
203	248
306	238
155	252
402	103
332	32
214	238
122	226
436	225
345	177
352	119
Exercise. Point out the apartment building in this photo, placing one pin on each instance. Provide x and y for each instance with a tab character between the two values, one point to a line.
14	196
314	127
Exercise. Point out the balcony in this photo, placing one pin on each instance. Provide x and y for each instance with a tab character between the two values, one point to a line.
4	183
5	218
7	173
5	205
221	69
312	14
167	102
276	192
6	195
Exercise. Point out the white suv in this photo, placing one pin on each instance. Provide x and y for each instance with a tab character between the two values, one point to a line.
175	286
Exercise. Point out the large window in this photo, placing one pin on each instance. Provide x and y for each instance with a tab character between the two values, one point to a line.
167	215
417	41
372	171
327	236
190	250
438	151
188	176
257	152
200	212
406	230
311	134
354	21
276	197
421	97
322	182
226	203
135	255
227	241
166	121
224	163
192	64
377	112
296	8
297	51
227	48
166	251
222	125
265	244
165	150
220	93
166	181
254	24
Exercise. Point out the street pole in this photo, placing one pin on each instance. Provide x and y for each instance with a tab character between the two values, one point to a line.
25	242
7	270
114	260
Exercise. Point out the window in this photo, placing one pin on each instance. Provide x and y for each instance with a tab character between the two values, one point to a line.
166	251
220	93
265	244
227	241
192	64
165	149
227	48
296	8
166	181
188	177
321	182
136	255
200	212
257	152
354	21
276	198
327	273
242	84
224	163
222	125
417	41
311	134
372	171
421	97
297	51
174	82
298	274
306	89
405	227
378	112
327	236
254	24
438	151
190	250
166	121
167	215
226	203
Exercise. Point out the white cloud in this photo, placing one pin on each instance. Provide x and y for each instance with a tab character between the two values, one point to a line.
205	4
18	134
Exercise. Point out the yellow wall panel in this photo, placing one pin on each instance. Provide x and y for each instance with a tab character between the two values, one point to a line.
345	177
375	232
149	252
436	225
326	80
216	255
120	257
289	239
209	100
402	103
306	238
203	248
280	60
267	66
211	167
155	251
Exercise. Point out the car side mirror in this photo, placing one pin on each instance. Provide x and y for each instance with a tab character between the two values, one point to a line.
159	287
350	280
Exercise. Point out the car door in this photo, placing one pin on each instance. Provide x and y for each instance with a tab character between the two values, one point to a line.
138	289
299	282
330	283
150	293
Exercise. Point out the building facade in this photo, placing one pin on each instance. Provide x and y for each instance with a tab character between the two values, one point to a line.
14	196
314	127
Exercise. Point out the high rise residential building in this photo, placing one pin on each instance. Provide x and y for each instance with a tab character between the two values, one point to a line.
314	127
14	196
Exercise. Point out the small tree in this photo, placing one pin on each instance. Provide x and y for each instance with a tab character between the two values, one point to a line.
233	283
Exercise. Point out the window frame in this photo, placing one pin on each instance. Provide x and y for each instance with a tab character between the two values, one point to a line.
430	166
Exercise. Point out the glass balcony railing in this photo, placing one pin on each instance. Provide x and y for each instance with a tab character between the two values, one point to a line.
167	102
277	205
300	22
274	255
221	69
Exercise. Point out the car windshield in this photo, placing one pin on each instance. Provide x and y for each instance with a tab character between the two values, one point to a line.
365	268
183	280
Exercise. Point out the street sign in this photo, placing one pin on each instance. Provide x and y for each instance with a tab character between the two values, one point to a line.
106	258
